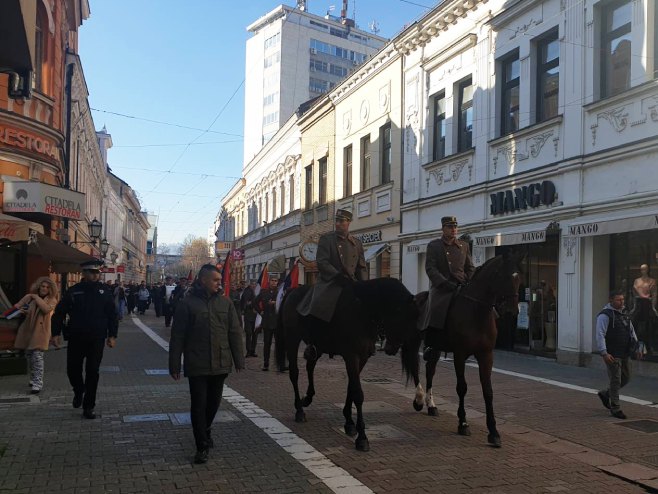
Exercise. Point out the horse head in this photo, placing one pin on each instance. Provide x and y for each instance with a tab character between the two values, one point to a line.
509	276
496	283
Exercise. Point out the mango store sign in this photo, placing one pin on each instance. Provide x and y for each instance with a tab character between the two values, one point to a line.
37	197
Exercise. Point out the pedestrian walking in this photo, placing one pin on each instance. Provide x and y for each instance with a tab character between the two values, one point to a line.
248	312
120	300
616	341
166	293
131	296
34	333
92	323
156	299
208	333
143	298
266	307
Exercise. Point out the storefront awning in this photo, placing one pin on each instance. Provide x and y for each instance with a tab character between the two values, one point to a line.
515	235
15	229
375	250
417	246
62	258
607	226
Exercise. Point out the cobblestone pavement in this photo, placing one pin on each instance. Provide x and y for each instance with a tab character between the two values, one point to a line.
554	439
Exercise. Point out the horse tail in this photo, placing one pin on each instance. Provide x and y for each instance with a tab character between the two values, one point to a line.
409	357
280	334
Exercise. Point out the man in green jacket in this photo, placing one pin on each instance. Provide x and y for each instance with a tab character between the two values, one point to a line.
207	331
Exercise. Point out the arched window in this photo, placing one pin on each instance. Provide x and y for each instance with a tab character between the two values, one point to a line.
42	65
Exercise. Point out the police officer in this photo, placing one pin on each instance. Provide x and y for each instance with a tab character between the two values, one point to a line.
93	322
448	265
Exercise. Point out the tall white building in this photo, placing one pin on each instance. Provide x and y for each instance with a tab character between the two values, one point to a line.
294	56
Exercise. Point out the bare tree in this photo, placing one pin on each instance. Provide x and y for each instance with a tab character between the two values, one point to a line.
195	253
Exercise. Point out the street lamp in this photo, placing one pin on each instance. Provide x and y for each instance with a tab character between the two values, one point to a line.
113	257
95	228
105	245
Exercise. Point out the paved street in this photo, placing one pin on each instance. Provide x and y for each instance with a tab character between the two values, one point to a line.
555	439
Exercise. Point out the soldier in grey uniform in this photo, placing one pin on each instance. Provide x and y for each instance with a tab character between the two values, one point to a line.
448	265
340	260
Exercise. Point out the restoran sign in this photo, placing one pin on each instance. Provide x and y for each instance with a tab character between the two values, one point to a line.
26	141
37	197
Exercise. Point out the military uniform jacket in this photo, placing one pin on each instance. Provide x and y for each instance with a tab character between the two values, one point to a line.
441	267
338	257
206	330
91	310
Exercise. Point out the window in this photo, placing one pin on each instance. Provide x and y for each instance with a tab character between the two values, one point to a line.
548	76
439	131
465	117
273	204
271	99
309	186
336	51
318	66
365	162
385	139
317	85
260	208
291	186
267	209
272	59
322	164
338	70
272	41
347	170
271	118
509	110
616	48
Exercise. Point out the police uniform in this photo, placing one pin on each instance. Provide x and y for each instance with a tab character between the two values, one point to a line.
340	258
92	318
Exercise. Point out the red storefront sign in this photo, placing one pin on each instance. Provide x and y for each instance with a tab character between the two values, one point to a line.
237	254
107	270
121	269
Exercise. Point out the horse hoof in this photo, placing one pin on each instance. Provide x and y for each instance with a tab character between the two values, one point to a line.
433	411
350	430
464	430
300	417
417	406
362	445
307	401
494	440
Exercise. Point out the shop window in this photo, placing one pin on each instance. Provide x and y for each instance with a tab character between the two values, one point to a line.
439	129
386	155
633	270
322	166
365	162
616	47
510	97
465	115
548	76
309	186
382	265
347	170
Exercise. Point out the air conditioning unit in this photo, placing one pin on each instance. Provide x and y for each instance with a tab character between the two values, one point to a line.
314	51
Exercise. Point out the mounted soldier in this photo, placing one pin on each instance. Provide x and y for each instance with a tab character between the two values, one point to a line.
340	261
448	265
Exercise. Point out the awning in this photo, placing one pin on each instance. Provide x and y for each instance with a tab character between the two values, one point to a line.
515	235
63	259
607	226
417	246
15	229
375	250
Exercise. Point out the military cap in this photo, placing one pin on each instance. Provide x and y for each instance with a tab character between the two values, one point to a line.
449	220
93	265
343	214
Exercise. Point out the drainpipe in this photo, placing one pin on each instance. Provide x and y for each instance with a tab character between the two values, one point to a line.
67	157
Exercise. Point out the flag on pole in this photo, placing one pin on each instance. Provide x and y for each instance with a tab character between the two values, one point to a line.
226	275
263	280
190	276
291	281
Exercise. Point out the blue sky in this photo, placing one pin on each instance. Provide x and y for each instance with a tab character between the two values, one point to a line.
182	63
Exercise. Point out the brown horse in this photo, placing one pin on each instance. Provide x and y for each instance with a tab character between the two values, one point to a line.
364	309
471	330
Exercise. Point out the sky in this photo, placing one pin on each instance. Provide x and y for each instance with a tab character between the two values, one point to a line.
166	78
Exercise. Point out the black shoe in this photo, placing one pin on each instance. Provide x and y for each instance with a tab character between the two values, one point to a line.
266	368
619	414
77	400
35	391
89	414
201	456
605	399
283	369
253	354
311	353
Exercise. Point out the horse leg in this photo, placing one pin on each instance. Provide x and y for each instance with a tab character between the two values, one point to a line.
430	369
420	396
293	374
350	427
462	387
353	365
485	364
310	390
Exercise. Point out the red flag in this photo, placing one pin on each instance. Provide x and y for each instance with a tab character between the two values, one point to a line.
190	276
294	275
263	280
226	274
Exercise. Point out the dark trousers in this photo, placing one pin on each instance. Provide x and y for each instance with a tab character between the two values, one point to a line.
158	307
206	395
167	309
619	373
141	305
80	349
268	334
251	336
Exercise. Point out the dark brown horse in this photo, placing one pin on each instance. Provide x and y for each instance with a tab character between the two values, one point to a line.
365	308
471	330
